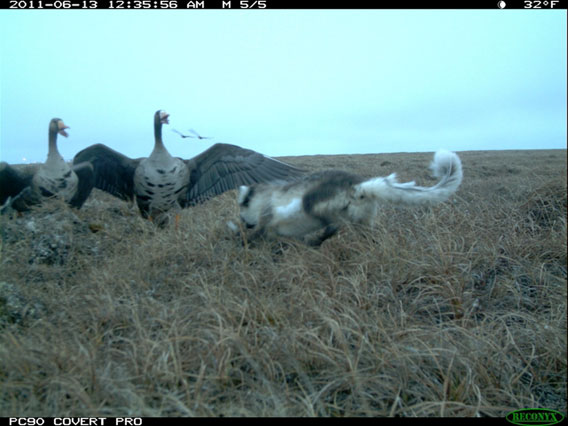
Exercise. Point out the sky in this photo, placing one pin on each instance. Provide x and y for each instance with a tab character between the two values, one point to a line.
283	82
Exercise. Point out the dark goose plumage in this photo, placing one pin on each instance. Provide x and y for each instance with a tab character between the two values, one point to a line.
161	182
22	186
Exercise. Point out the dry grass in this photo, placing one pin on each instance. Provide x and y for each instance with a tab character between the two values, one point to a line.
453	310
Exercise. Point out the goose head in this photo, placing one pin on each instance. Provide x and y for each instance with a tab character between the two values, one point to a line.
162	116
56	125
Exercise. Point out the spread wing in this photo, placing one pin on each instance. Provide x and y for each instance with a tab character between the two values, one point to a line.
224	167
14	179
86	174
113	171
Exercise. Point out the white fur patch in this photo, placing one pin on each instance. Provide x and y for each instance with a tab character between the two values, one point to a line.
231	225
290	209
243	192
445	163
373	186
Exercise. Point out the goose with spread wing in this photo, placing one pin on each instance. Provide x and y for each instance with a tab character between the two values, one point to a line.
25	185
162	182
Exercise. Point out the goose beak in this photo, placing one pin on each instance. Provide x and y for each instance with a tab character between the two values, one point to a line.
62	128
164	117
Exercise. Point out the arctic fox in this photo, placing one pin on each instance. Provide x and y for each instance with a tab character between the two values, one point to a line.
321	202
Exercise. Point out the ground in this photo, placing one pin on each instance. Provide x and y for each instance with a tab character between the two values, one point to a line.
453	310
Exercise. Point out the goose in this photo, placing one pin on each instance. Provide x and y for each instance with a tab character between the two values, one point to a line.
161	182
22	186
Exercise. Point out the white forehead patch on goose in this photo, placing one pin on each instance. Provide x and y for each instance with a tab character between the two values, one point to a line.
164	117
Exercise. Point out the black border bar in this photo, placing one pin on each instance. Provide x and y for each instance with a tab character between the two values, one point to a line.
534	5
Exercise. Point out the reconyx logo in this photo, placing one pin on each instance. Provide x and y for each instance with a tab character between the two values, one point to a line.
535	416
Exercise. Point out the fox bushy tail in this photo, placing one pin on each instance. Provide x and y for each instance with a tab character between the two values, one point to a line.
446	166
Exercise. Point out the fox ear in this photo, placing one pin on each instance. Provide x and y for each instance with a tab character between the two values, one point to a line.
243	192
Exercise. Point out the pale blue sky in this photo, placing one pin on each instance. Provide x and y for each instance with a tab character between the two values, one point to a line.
284	82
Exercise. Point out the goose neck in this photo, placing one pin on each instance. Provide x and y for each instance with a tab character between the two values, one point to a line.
53	152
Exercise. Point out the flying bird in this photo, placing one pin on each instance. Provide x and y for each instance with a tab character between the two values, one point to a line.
162	182
182	135
25	185
197	135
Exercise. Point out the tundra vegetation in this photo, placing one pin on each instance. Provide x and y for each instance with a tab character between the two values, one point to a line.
457	309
